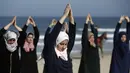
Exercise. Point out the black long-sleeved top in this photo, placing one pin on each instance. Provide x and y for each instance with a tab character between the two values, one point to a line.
28	59
45	48
52	62
90	57
8	62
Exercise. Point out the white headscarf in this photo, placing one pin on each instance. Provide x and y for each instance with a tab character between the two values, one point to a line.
11	35
61	37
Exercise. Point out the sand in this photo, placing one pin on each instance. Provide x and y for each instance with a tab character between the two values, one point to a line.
104	63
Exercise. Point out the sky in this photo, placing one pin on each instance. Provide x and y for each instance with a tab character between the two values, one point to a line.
103	8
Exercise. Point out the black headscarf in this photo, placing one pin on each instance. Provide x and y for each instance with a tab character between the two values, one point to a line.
123	46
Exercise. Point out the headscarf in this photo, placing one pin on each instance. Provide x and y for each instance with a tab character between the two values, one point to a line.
89	35
61	37
28	46
122	45
11	35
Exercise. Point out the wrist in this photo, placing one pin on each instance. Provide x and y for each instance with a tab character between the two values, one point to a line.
92	22
51	25
120	22
62	19
72	20
34	25
128	20
27	24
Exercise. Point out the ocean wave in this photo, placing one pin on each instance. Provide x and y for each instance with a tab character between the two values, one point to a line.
76	42
104	29
78	36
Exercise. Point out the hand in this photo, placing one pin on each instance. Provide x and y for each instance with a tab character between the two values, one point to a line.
70	15
32	21
121	19
28	21
90	19
67	9
54	21
70	12
15	23
127	18
14	19
87	18
66	12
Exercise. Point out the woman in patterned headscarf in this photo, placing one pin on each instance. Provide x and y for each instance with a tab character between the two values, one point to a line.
9	52
90	62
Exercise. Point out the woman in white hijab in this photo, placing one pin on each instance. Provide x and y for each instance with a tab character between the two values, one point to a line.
9	55
57	57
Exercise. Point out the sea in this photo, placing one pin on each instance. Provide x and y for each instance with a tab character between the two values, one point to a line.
105	24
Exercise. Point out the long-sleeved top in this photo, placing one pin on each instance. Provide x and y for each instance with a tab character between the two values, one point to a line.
90	62
52	62
120	53
9	61
45	48
28	59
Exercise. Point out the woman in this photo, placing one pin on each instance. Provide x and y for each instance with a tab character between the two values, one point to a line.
90	62
9	52
57	59
120	54
28	49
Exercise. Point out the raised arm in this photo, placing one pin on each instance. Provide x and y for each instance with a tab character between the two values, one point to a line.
36	31
26	25
16	26
93	29
127	28
117	30
58	26
5	28
12	22
85	38
72	31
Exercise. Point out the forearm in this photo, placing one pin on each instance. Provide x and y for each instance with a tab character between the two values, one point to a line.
72	20
7	26
18	28
72	32
62	19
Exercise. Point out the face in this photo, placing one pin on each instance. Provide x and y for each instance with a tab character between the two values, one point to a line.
123	38
105	36
11	41
62	46
91	39
29	38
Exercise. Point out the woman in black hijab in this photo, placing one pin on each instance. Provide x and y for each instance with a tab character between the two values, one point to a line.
120	54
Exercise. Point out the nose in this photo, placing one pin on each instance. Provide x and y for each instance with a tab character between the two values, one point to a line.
64	46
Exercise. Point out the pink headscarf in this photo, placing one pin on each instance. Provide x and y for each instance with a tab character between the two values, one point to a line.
28	46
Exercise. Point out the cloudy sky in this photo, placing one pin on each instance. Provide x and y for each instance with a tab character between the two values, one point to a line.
56	7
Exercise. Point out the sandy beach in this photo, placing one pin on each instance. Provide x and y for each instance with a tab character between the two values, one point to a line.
104	63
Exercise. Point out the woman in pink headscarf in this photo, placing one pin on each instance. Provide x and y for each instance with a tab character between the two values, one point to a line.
28	49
